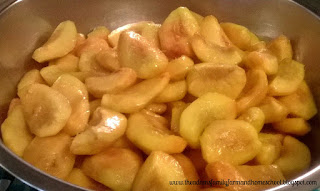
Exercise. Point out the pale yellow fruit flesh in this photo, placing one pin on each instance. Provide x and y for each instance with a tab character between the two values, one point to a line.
177	108
15	133
68	63
112	83
174	91
108	59
149	137
220	78
255	90
76	93
31	77
99	32
254	116
233	141
156	172
158	108
200	113
179	67
219	171
46	110
51	154
115	168
295	157
263	61
239	35
176	32
300	103
136	52
136	97
61	42
78	178
207	52
281	47
288	78
105	127
273	110
293	126
270	149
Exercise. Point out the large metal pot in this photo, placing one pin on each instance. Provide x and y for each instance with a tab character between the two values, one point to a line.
25	24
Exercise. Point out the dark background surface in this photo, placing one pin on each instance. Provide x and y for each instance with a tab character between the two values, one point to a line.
9	183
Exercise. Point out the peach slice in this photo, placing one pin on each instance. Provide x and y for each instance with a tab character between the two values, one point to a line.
233	141
288	78
158	171
207	52
99	32
301	102
254	116
179	67
220	171
105	127
295	157
225	79
76	93
138	27
62	41
136	97
255	90
136	52
273	110
108	59
281	47
177	108
200	113
239	35
293	126
270	149
46	110
146	135
68	63
31	77
112	83
14	130
158	108
212	32
174	91
78	178
262	60
176	32
51	154
116	168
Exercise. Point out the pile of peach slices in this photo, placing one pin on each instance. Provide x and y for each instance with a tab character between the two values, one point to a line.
148	106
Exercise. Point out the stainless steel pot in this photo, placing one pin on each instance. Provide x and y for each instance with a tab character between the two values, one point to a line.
25	24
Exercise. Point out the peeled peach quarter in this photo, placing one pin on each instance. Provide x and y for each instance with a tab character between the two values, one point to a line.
136	52
200	113
176	32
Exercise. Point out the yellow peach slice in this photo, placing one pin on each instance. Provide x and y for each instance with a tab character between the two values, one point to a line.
301	102
262	60
254	116
158	108
174	91
281	47
225	79
200	113
105	127
76	93
46	110
136	97
176	32
116	168
108	59
112	83
273	110
31	77
293	126
68	63
15	133
99	32
61	42
146	135
255	90
136	52
295	157
51	154
233	141
288	78
179	67
78	178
